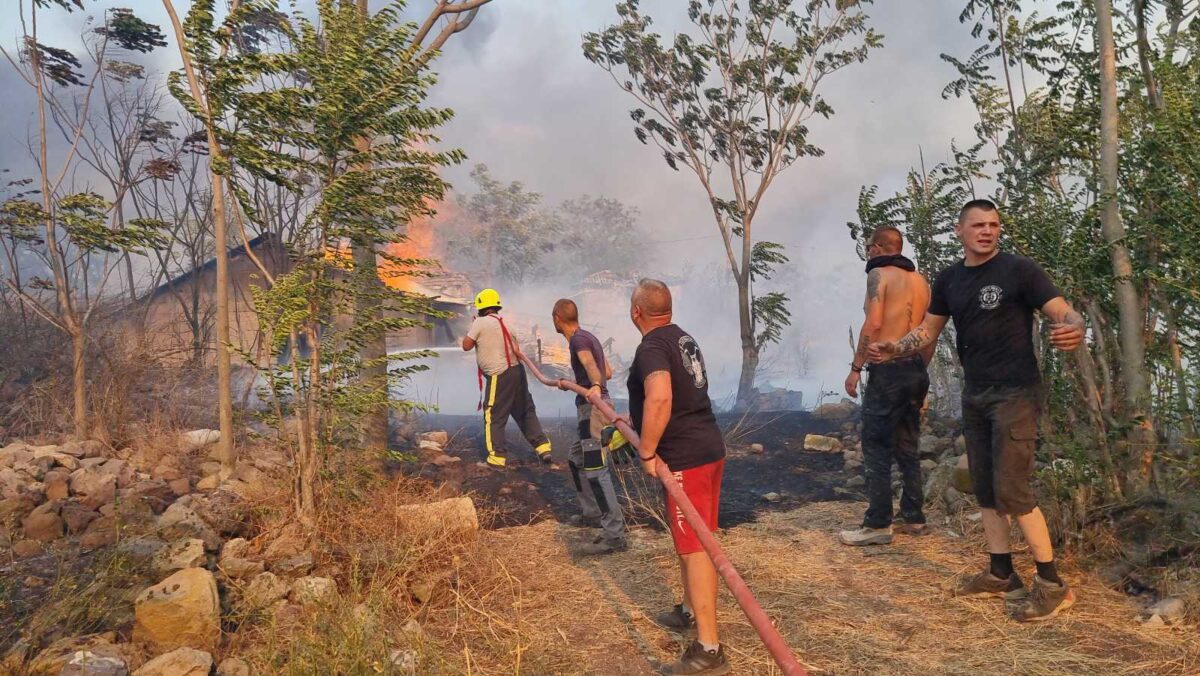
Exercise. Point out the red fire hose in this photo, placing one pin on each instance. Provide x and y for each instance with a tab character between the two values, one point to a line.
758	618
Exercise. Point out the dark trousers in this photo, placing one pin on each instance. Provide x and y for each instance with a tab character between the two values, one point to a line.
1000	424
891	431
508	394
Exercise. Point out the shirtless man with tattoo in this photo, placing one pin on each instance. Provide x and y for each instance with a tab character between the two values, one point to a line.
897	296
991	295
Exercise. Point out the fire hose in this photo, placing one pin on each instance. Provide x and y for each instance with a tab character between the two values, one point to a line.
762	624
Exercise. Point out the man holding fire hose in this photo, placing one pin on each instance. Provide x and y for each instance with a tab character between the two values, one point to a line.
588	461
670	408
503	384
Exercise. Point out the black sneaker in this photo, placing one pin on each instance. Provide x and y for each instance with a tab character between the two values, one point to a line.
696	661
678	620
985	584
1045	601
603	545
581	521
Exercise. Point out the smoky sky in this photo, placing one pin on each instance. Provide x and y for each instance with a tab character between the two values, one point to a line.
534	110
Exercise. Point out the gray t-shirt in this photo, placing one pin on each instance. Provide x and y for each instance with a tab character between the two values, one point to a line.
489	346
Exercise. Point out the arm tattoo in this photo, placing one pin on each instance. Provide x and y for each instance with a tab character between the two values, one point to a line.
916	339
1073	318
873	279
860	354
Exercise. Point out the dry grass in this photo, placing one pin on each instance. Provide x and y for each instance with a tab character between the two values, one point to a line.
379	563
520	601
526	605
130	387
862	611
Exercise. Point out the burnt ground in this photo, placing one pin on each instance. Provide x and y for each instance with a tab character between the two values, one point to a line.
529	491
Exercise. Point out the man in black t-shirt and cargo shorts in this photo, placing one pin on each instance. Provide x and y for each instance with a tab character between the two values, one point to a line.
670	408
991	295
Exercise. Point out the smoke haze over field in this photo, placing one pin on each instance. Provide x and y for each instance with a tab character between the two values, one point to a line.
531	107
534	110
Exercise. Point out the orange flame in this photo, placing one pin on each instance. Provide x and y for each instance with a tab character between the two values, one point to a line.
420	243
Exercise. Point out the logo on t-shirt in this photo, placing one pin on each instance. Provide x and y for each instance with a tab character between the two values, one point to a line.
693	361
989	297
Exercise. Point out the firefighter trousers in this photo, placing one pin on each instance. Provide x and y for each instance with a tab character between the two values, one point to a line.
504	394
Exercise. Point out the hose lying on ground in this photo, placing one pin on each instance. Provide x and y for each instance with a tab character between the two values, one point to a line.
762	624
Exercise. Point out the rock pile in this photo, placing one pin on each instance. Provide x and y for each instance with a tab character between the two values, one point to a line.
194	543
77	495
942	450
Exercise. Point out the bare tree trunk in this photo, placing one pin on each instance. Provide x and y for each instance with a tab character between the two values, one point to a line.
746	392
303	494
373	353
79	371
62	283
1099	332
1186	420
1133	349
1143	49
224	375
1087	377
224	381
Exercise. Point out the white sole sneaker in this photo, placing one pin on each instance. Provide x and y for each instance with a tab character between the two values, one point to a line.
856	538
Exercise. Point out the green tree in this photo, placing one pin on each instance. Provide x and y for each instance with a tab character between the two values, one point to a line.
601	233
732	104
425	41
1104	203
504	232
348	78
68	228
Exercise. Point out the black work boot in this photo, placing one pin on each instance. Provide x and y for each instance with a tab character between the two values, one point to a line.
581	521
697	661
603	545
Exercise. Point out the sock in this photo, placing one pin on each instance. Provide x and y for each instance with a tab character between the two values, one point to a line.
1002	566
1048	572
709	647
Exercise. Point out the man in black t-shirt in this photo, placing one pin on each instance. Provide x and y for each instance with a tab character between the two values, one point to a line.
991	295
670	408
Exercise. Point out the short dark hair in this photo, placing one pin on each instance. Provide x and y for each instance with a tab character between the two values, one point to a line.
888	238
566	310
984	204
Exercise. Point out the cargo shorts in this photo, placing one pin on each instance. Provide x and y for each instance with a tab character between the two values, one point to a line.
1000	424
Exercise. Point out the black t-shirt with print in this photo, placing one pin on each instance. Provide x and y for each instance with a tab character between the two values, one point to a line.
692	437
992	306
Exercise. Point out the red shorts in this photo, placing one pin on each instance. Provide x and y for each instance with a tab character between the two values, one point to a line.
702	485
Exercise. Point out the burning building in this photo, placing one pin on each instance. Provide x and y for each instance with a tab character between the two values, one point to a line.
178	316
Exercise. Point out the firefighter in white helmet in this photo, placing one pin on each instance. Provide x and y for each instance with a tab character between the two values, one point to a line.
503	383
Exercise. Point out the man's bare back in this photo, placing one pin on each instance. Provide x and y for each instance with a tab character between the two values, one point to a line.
897	298
905	297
